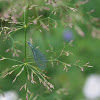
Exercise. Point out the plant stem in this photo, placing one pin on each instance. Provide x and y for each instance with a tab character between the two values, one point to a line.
25	47
26	10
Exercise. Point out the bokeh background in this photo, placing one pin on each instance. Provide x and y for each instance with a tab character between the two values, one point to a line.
61	22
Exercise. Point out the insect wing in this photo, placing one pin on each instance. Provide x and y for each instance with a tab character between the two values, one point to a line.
39	58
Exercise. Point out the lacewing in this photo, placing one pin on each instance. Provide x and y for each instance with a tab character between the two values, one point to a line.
38	57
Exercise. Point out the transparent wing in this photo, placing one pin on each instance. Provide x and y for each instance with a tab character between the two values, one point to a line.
39	58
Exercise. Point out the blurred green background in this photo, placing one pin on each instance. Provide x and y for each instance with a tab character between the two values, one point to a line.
65	24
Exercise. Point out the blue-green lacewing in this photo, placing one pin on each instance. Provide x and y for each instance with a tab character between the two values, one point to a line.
38	56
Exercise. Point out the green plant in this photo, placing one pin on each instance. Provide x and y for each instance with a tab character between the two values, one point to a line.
43	19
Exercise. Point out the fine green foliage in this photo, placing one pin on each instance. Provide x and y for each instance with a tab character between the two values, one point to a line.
42	23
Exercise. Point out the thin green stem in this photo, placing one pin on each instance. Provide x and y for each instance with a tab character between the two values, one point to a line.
27	76
25	47
26	11
12	59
